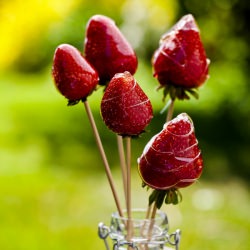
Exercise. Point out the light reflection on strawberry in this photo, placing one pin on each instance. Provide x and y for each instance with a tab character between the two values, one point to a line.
107	49
180	63
74	77
125	108
172	158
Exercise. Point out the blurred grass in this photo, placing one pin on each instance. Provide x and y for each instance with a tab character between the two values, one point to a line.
61	210
53	192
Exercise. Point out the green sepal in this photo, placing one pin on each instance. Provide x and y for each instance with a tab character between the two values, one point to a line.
169	196
72	102
152	197
160	198
173	196
157	196
177	92
193	92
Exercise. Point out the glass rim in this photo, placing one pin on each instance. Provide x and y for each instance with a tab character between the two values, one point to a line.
160	215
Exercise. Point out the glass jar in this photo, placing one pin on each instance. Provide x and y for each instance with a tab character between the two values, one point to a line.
138	232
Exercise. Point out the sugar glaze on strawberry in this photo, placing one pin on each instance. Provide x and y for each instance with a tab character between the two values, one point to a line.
107	49
74	77
125	108
180	60
172	158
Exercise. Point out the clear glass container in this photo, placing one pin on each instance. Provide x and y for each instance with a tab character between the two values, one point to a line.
138	232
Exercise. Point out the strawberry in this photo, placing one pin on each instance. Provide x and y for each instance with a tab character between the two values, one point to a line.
125	108
74	77
107	49
172	158
180	62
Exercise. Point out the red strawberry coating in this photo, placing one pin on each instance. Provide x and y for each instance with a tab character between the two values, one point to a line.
125	108
74	77
181	59
107	49
172	158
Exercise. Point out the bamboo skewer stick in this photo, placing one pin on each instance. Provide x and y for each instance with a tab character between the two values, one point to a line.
170	111
122	164
128	153
103	156
154	211
148	211
128	149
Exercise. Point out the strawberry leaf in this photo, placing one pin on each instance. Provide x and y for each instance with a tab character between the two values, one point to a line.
72	102
153	197
160	198
178	92
173	196
193	92
169	196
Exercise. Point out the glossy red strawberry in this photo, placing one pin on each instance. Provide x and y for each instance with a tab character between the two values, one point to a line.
107	49
125	108
180	61
74	77
172	158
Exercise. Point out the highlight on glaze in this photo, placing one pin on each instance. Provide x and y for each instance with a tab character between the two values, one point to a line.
74	77
172	158
107	49
125	108
181	59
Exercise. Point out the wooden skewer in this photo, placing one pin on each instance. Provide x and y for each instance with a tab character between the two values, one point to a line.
170	111
122	164
128	152
103	156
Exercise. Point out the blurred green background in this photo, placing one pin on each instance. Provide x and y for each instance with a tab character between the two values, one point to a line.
53	190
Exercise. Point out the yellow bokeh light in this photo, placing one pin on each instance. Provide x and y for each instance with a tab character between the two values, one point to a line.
22	21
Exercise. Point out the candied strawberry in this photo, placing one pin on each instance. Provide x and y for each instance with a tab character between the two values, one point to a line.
107	49
74	77
125	108
180	62
172	158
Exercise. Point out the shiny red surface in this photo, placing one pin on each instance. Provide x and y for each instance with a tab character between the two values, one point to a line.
181	59
172	159
107	49
73	75
125	108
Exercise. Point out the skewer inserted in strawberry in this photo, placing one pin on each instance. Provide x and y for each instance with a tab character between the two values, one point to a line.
180	63
172	158
74	77
125	108
107	49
